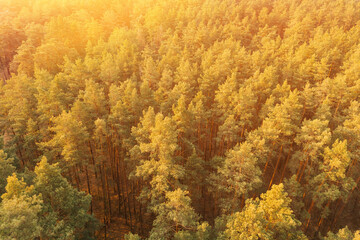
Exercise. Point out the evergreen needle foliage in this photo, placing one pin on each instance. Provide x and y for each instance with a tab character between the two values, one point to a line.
179	119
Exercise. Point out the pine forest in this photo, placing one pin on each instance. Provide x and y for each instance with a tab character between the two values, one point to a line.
180	119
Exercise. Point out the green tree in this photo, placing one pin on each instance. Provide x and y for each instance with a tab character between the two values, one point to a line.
331	183
174	215
20	211
6	169
64	213
238	177
343	234
267	218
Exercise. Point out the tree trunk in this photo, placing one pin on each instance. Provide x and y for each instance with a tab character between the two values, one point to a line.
276	166
89	189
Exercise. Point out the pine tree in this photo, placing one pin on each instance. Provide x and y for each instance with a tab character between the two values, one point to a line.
331	183
20	211
344	233
6	169
238	177
267	218
174	215
64	213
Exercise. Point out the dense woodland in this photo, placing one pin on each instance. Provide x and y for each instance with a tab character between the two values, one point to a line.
180	119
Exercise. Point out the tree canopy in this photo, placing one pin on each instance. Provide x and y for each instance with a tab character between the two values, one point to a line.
179	119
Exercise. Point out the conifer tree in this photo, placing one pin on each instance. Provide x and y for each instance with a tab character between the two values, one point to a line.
6	169
20	211
64	212
238	177
267	218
